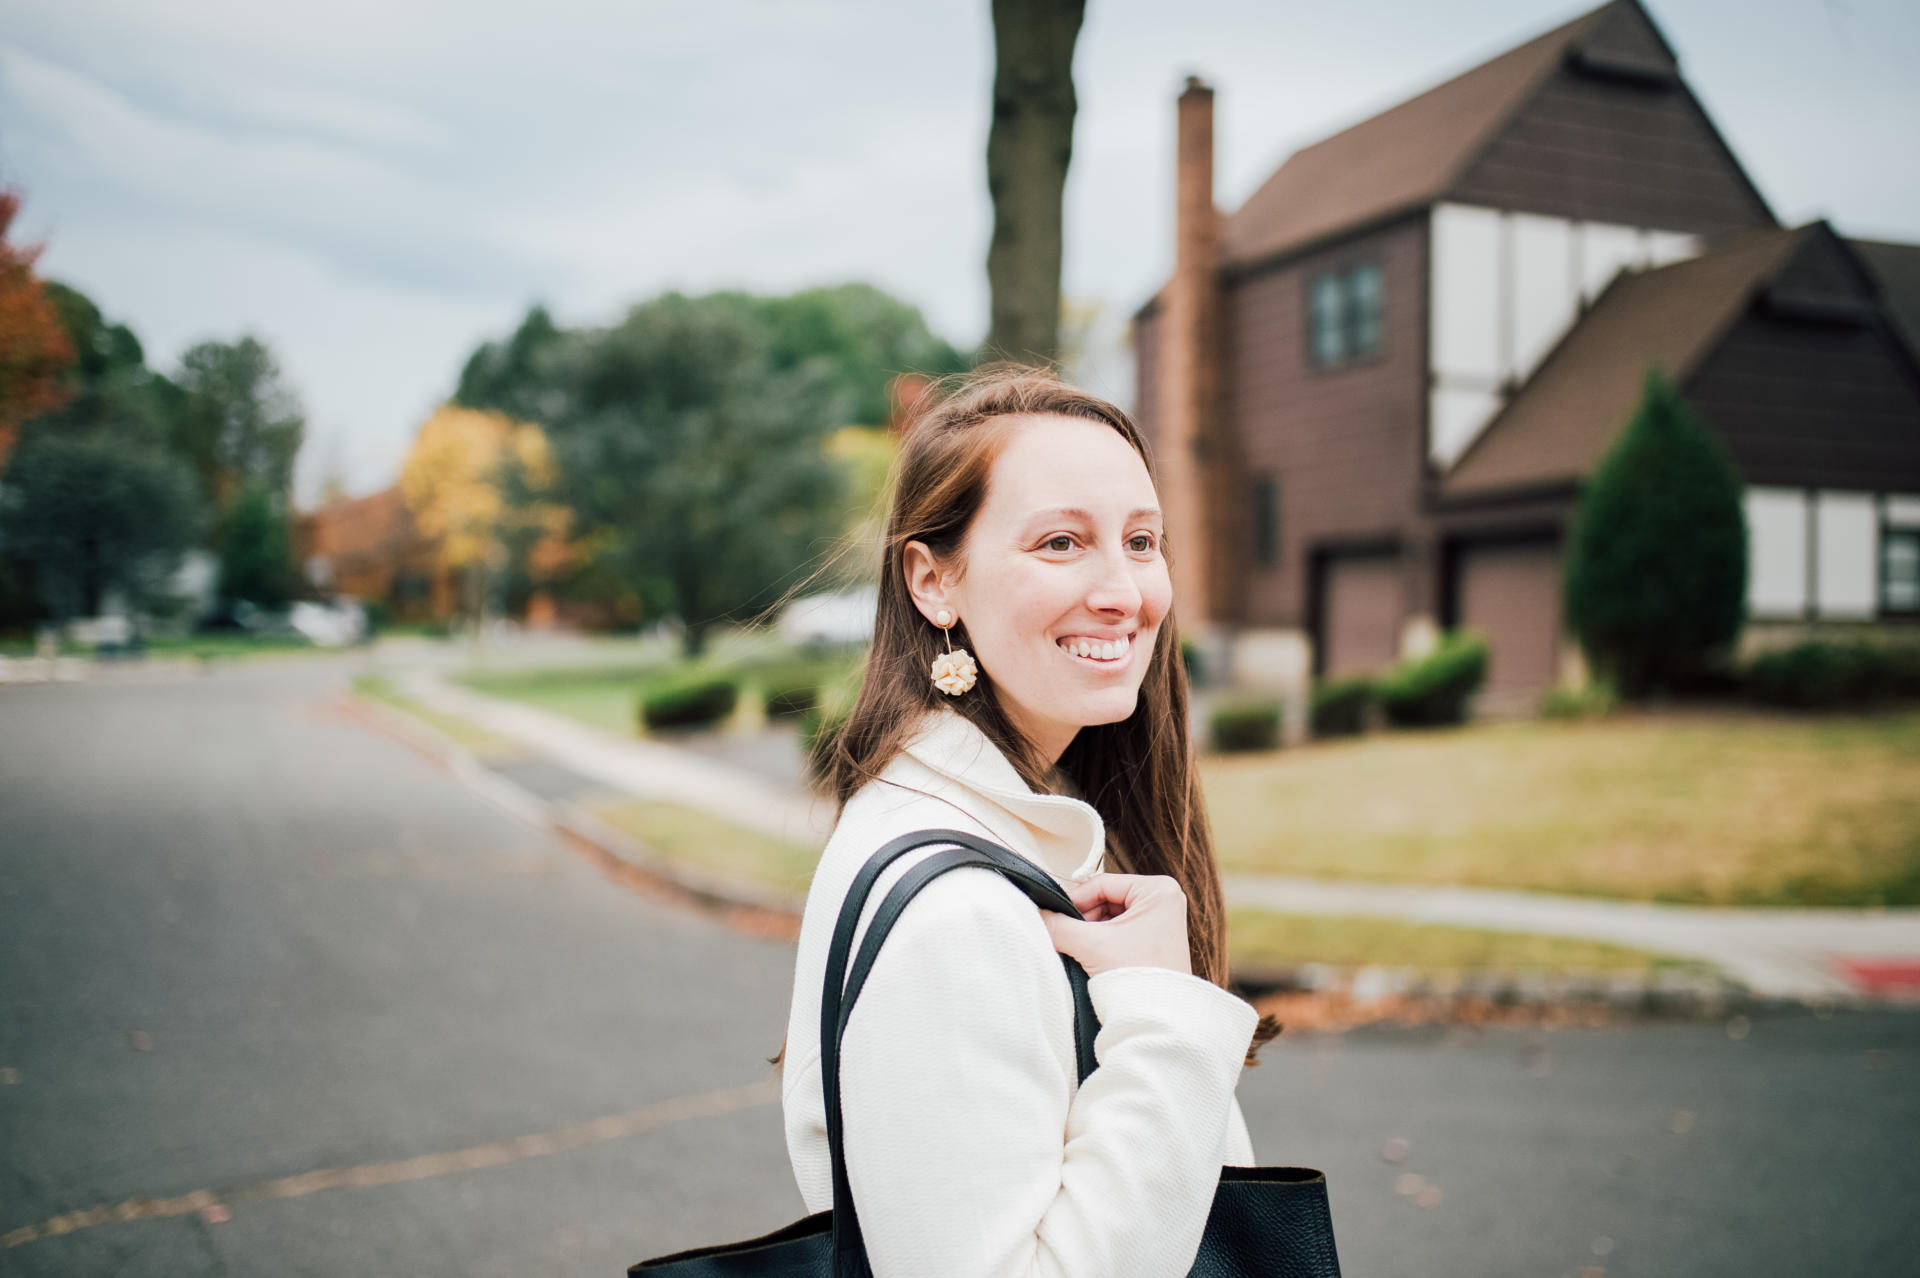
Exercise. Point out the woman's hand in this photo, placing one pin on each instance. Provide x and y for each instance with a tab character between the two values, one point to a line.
1131	920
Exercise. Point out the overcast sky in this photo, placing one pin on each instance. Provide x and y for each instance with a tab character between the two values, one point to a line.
374	188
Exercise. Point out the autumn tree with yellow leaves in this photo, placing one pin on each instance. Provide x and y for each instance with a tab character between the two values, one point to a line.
481	484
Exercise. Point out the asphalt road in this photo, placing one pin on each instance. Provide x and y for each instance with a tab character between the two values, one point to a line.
323	1011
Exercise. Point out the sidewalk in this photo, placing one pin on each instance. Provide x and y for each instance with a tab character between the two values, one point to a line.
1795	954
1789	954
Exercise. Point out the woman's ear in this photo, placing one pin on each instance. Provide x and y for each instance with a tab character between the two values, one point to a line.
925	582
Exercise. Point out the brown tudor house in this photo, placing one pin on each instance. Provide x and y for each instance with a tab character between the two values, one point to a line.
1373	391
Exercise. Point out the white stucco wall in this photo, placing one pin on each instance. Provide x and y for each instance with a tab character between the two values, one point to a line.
1505	288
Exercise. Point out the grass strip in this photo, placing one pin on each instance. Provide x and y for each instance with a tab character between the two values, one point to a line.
484	744
1267	938
699	838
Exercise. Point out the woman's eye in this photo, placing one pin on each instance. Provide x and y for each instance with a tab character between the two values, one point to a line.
1146	537
1060	537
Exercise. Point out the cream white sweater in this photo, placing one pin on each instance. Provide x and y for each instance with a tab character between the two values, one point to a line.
971	1148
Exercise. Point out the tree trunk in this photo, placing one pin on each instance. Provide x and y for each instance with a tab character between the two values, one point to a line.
1028	149
694	621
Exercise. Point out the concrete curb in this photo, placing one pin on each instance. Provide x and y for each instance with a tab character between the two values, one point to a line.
1669	992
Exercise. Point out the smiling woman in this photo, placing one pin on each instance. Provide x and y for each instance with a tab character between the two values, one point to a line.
1038	581
1026	531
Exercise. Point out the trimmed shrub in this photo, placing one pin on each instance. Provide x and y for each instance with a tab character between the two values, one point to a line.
1656	564
1597	698
1195	664
790	693
818	729
1252	724
1436	688
1905	660
692	702
1340	706
1821	674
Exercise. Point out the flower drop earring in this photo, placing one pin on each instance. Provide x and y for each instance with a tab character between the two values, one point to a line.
953	670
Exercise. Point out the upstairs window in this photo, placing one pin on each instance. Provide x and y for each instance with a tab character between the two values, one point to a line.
1344	314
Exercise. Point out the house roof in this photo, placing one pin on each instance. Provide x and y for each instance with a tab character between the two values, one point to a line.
1404	158
1567	414
1896	268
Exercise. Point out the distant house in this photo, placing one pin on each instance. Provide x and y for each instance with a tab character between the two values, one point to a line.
370	549
1375	389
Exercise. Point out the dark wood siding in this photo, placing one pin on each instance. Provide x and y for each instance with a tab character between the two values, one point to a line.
1624	37
1820	405
1611	150
1343	445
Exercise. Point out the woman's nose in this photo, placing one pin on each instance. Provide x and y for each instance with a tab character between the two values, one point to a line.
1116	590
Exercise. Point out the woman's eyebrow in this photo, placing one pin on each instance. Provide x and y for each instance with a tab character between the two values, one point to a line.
1075	512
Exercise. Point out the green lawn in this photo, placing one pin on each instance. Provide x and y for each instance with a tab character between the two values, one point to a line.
206	647
607	696
698	838
211	646
1724	807
1264	938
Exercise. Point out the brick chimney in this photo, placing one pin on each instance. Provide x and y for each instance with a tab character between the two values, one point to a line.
1189	378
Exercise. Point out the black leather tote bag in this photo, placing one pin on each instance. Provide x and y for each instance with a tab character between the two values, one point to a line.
1268	1221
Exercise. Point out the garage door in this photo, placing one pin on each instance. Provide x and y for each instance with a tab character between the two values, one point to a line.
1511	594
1361	614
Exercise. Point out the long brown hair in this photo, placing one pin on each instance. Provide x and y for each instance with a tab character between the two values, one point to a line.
1139	773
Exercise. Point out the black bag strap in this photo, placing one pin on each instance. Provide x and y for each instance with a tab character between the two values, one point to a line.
840	990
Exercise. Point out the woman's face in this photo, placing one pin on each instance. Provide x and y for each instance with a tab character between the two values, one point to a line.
1065	553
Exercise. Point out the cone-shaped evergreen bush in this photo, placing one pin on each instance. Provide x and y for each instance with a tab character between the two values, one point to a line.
1656	567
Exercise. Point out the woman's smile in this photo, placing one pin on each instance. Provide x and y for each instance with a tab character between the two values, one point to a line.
1109	655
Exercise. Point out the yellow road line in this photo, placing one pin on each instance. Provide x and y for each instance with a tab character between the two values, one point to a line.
538	1145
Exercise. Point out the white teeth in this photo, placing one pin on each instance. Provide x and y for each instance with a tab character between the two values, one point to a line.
1109	650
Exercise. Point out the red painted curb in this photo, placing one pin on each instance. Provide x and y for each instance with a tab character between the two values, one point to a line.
1895	977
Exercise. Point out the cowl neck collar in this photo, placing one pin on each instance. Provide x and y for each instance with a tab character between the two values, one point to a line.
1064	834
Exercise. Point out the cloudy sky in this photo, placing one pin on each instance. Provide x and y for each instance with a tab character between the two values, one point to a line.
376	187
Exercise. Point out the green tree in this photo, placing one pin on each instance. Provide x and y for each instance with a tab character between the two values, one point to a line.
1656	567
92	495
523	376
690	455
94	511
613	400
864	336
108	385
859	335
256	550
1029	146
236	420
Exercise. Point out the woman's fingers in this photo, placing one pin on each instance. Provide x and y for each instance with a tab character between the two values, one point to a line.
1126	920
1112	889
1118	891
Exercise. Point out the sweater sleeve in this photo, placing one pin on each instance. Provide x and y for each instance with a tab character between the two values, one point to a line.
969	1152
